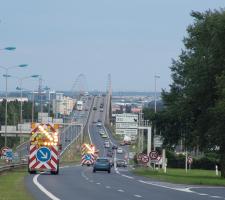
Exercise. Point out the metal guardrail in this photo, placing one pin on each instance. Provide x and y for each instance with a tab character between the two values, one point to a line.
12	166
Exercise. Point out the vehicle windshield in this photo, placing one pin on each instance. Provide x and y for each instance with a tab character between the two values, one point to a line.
102	161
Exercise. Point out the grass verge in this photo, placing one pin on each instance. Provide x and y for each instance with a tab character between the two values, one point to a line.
73	154
12	185
195	177
117	137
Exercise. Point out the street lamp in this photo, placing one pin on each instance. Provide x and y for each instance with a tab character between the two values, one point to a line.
6	75
156	76
21	94
8	48
49	99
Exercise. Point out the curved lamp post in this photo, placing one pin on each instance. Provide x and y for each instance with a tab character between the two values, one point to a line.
6	75
21	94
8	48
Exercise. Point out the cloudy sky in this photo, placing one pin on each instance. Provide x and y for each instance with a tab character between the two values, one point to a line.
130	39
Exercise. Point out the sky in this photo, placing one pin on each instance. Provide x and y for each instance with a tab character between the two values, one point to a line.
133	40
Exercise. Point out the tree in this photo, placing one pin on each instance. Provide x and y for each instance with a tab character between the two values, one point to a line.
195	104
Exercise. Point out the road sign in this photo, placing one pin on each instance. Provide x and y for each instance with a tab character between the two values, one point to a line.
127	117
190	160
144	158
153	155
3	152
43	154
139	156
131	155
88	157
126	125
9	154
158	141
127	132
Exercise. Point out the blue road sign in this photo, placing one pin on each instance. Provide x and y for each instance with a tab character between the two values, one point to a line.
43	154
9	154
87	157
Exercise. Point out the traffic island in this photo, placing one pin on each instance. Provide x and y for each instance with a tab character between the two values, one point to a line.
192	177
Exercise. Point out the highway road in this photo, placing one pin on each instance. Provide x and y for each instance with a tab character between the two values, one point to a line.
69	131
77	182
80	183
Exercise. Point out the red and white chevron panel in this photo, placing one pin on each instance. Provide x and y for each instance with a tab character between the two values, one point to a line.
84	161
35	164
83	149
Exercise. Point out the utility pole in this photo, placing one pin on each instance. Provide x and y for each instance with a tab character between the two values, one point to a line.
40	96
155	77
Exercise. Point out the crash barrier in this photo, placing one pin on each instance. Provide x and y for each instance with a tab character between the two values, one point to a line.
12	166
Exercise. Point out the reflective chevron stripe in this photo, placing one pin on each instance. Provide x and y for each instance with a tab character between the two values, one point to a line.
35	164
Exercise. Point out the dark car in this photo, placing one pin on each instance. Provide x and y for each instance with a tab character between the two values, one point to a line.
102	164
109	153
114	147
121	163
94	108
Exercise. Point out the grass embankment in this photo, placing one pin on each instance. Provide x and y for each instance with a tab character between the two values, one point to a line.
73	154
117	137
2	162
12	185
196	177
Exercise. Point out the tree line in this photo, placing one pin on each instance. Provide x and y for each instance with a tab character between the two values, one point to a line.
14	118
194	106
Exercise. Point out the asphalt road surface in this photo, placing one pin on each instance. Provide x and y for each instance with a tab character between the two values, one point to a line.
77	182
80	183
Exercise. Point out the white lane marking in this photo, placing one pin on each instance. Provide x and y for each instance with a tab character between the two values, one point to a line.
116	169
188	190
203	194
206	187
89	133
49	194
108	187
130	177
120	190
98	183
138	196
88	123
64	167
167	187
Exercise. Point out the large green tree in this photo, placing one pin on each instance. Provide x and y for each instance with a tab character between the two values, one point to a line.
195	104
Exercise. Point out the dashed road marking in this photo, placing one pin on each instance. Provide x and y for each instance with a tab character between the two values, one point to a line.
63	167
108	187
98	183
216	197
130	177
120	190
203	194
138	196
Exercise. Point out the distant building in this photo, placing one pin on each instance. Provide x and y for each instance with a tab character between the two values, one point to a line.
63	105
136	110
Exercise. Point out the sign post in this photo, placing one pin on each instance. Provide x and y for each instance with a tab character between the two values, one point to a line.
144	159
189	160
